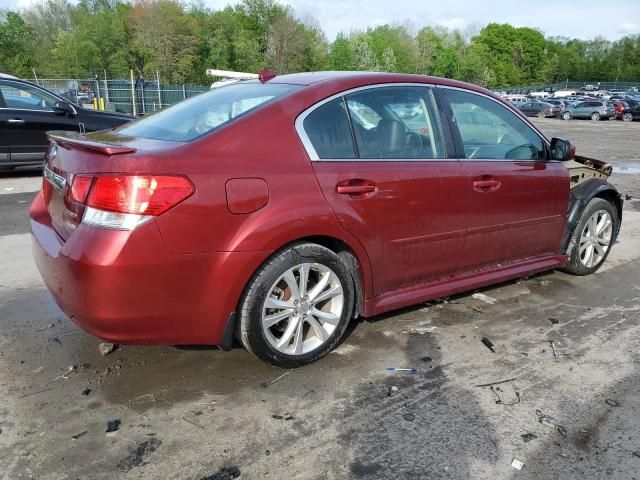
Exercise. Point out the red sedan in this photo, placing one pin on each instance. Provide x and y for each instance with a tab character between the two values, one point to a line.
276	210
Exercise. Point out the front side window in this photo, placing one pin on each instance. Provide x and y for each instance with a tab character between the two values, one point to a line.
207	112
395	123
490	131
25	97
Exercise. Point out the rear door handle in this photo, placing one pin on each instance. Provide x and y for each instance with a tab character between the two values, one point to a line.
486	184
356	188
16	121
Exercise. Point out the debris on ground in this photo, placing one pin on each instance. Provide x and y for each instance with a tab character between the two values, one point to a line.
612	403
409	417
484	298
227	473
553	347
55	340
498	382
527	437
421	330
193	423
636	454
555	321
106	348
277	379
394	369
139	454
426	359
51	325
551	422
488	343
392	389
113	426
517	464
499	400
78	435
86	392
71	369
286	417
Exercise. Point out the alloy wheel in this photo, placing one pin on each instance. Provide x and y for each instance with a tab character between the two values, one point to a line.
303	309
595	238
627	117
595	116
566	116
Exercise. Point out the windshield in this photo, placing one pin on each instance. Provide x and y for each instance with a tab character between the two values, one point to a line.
205	113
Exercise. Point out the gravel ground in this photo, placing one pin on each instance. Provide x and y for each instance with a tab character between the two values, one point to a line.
191	413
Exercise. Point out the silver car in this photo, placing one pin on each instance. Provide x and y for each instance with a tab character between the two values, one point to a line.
593	109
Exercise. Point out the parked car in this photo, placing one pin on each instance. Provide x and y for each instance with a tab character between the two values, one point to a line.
631	113
593	109
539	109
27	111
278	209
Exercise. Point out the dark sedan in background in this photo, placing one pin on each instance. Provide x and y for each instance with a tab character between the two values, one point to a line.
27	111
539	109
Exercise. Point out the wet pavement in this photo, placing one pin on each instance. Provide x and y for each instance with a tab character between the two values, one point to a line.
565	346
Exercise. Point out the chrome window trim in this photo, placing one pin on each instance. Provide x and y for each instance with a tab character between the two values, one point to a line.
313	155
37	87
546	142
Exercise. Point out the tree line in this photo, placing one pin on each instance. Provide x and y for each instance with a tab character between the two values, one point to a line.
58	39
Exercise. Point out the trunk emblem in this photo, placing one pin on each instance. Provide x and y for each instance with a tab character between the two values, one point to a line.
54	179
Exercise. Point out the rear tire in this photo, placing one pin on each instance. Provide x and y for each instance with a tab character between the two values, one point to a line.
595	116
627	117
591	240
566	116
289	322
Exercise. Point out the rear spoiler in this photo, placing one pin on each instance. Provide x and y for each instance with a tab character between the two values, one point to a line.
79	141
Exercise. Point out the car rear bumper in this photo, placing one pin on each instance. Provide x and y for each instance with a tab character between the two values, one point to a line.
126	287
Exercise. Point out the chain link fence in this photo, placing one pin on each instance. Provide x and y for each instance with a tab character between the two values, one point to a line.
570	85
121	95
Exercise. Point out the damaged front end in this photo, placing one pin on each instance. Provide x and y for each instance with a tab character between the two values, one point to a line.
582	169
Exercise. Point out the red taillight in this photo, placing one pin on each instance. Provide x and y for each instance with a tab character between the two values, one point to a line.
80	188
138	194
46	190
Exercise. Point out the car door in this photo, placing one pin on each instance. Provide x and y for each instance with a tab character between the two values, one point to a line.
582	110
517	198
381	158
28	114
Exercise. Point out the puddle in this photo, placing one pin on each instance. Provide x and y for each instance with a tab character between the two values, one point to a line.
627	168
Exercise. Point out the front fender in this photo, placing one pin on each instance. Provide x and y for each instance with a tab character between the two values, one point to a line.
580	196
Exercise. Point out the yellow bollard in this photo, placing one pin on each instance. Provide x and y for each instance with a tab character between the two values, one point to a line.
95	103
102	104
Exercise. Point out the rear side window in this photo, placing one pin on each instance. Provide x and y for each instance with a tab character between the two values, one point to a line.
502	135
328	130
395	123
207	112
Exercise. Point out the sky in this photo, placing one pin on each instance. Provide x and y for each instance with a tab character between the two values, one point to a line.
572	18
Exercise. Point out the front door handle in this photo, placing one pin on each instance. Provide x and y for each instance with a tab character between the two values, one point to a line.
16	121
486	183
356	188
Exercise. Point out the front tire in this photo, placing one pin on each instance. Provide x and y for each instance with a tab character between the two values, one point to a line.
627	117
541	115
297	306
566	116
592	238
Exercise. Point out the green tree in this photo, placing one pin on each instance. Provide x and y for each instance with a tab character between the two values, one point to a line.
16	45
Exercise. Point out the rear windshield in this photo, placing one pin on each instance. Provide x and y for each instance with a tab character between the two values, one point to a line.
205	113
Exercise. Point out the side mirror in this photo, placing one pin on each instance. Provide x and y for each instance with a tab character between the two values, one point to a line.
562	150
63	108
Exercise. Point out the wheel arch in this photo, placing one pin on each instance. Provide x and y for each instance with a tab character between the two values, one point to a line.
579	199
